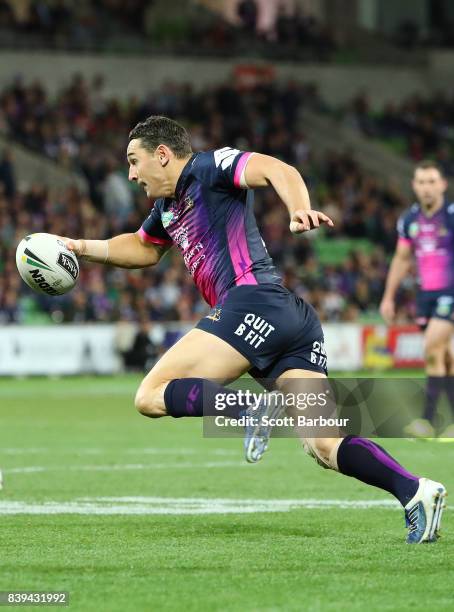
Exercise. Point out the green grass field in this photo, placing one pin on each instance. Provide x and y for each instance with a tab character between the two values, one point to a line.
131	514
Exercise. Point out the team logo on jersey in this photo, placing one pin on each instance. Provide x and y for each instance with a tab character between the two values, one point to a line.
413	229
215	314
175	212
167	218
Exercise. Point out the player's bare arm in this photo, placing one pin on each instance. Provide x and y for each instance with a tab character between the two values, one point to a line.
399	269
264	170
124	251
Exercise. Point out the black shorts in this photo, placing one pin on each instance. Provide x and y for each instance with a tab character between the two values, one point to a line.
270	326
434	305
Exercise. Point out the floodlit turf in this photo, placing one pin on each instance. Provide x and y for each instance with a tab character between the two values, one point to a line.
76	442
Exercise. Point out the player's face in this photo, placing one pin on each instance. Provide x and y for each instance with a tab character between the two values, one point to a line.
148	169
429	186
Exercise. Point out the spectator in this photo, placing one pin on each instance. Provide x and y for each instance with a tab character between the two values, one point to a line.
143	353
247	12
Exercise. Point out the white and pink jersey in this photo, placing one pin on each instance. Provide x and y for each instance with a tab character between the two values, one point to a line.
432	241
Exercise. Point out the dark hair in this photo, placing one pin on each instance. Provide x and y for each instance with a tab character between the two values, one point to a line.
427	164
158	130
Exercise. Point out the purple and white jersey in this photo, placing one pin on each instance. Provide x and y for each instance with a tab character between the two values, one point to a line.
211	221
432	241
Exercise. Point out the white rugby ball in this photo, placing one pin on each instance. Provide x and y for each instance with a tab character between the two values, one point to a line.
46	265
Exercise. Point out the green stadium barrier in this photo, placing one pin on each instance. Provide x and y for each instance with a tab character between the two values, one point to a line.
331	251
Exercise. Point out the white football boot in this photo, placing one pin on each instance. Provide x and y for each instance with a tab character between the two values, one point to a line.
423	512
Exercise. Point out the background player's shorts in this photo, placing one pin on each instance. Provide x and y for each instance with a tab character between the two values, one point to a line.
273	328
434	305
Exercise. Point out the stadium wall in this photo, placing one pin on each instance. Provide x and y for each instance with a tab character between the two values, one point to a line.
127	76
95	349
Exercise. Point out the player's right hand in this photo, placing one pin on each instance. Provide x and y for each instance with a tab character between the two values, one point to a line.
305	220
388	310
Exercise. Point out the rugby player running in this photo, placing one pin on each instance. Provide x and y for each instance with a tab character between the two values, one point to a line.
426	230
205	206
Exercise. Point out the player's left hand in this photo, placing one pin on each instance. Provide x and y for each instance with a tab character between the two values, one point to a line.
305	220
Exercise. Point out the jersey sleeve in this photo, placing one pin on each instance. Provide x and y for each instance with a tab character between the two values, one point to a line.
403	235
152	229
225	168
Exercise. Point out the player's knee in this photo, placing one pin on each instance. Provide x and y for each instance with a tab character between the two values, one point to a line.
323	450
434	352
147	403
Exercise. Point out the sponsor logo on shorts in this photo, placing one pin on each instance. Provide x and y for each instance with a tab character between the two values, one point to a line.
68	264
444	305
215	314
318	354
254	329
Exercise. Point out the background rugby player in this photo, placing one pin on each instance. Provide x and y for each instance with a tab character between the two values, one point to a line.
204	206
426	231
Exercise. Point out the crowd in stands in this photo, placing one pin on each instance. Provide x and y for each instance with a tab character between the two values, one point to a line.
65	24
438	33
85	130
419	126
135	25
295	32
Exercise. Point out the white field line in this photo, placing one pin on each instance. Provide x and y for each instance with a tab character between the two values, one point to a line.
181	506
124	466
127	391
128	451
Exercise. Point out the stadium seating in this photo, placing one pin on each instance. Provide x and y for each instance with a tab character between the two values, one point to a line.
85	131
418	126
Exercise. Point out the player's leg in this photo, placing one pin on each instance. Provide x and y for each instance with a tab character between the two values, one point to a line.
365	460
447	434
436	346
352	455
258	431
185	375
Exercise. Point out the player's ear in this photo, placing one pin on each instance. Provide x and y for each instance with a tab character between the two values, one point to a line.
163	154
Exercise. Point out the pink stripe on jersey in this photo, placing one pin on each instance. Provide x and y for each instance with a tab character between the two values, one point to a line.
432	272
405	241
239	254
143	234
239	169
